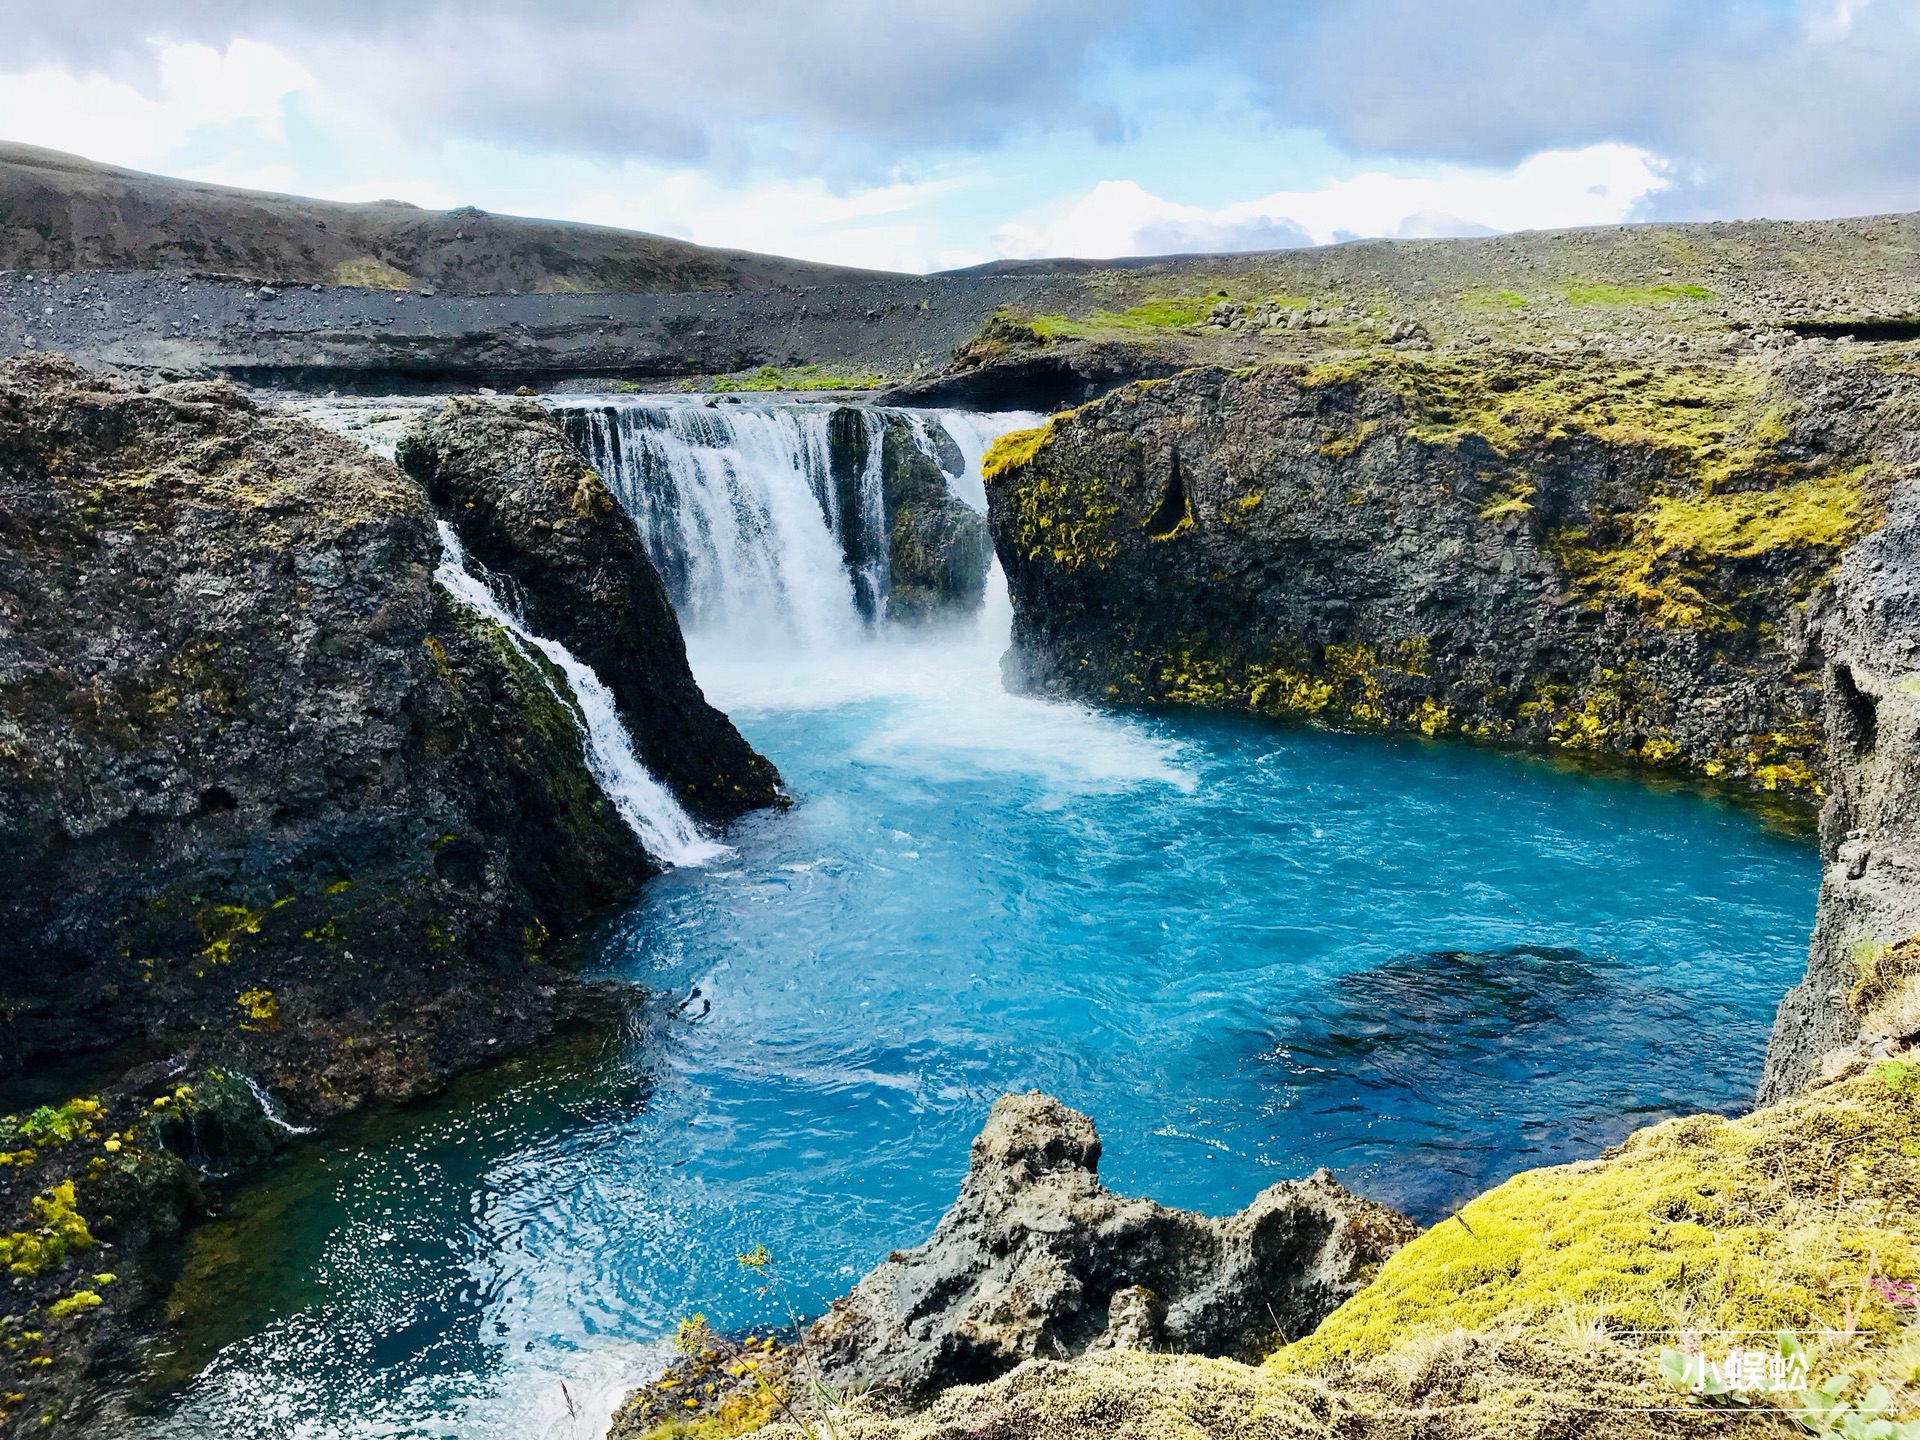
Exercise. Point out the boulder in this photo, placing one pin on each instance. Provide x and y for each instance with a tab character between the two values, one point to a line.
924	555
1036	1260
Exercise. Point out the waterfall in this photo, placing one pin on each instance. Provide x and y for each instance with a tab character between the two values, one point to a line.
667	831
739	510
758	541
270	1110
974	434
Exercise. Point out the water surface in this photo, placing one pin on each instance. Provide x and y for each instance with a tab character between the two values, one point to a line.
1246	951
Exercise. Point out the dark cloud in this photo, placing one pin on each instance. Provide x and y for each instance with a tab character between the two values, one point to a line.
660	78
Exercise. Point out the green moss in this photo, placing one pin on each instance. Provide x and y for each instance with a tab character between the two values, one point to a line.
220	926
1658	562
49	1127
1704	422
62	1229
368	273
1587	292
1779	1221
74	1304
1014	449
797	377
1886	997
261	1009
1065	519
1492	301
1155	313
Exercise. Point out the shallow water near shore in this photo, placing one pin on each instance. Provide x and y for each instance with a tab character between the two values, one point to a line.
1245	950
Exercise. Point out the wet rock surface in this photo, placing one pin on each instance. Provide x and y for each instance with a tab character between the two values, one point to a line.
529	507
268	789
936	549
1037	1260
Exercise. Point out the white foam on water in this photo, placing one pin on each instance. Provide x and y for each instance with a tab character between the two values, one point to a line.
667	831
767	606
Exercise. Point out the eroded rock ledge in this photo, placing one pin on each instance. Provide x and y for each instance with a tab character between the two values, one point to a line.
1037	1260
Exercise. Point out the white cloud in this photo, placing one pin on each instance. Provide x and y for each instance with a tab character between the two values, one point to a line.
194	87
1595	185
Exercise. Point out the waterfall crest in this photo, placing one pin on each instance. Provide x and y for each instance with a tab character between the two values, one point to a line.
764	532
666	831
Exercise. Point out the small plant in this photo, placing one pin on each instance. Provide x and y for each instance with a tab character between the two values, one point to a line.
703	1349
1897	1075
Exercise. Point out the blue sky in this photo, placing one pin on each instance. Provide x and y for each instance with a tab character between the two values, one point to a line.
915	135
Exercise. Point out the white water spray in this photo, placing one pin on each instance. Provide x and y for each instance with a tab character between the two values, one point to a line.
738	508
975	434
739	511
667	831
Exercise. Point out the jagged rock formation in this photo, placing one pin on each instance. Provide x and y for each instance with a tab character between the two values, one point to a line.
1517	548
267	788
529	507
1539	1312
1036	1260
1862	987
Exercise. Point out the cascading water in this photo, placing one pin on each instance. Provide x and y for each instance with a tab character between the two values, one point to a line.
667	831
739	511
760	542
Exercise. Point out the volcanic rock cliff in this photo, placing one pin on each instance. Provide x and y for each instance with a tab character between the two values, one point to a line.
274	806
1631	560
268	787
1512	547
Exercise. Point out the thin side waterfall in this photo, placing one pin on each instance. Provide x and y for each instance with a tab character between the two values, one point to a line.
667	831
975	433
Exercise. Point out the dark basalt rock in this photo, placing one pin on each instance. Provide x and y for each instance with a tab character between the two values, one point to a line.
529	507
1518	549
936	548
267	789
1862	986
1036	1260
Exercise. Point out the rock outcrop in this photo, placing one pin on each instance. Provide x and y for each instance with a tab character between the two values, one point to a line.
1862	987
1036	1260
1541	1310
529	507
269	792
1517	548
936	549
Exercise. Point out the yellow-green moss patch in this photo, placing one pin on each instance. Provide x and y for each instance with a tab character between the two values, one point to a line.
62	1229
1015	448
1658	564
1779	1221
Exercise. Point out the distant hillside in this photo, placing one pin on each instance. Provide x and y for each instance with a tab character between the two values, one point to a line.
62	212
